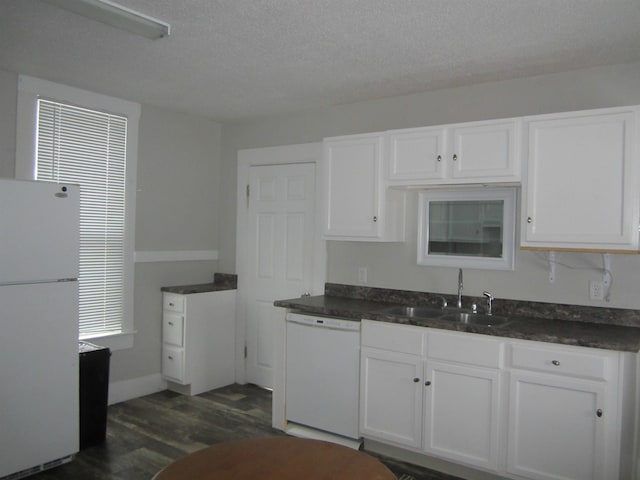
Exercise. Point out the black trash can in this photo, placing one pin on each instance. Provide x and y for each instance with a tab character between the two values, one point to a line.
94	393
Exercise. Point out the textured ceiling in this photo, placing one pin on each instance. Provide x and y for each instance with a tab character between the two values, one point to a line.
239	59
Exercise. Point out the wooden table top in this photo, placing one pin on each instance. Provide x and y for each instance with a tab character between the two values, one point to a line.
276	458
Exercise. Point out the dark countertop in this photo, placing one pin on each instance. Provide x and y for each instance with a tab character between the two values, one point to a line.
567	332
221	282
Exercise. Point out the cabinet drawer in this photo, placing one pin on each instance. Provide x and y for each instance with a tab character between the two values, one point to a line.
173	363
173	302
393	337
465	348
173	329
562	361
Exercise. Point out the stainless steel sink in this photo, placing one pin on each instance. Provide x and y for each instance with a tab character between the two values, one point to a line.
475	319
414	312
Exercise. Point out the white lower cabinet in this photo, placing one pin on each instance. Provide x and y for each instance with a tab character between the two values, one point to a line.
198	340
516	408
461	418
554	430
564	416
448	408
391	394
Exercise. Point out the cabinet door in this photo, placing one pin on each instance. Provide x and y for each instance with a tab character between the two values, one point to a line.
581	188
352	176
415	155
391	397
485	151
462	405
557	428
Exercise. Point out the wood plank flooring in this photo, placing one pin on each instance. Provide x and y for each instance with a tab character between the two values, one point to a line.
148	433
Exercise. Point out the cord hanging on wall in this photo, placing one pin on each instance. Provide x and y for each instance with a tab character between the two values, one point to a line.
552	266
606	275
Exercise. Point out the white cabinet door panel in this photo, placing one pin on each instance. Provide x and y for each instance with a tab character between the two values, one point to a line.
555	431
352	169
582	182
391	397
462	408
416	154
486	151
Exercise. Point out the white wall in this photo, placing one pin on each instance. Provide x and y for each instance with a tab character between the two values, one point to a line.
393	265
176	210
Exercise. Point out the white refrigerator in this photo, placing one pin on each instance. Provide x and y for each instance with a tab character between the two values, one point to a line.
39	253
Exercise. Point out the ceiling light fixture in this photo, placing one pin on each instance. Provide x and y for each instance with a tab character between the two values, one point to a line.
117	16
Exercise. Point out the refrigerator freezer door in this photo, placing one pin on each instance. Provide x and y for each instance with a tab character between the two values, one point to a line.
39	374
39	231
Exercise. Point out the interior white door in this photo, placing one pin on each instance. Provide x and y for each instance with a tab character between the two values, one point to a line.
281	235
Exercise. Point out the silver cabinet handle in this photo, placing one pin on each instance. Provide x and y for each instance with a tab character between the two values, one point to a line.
375	218
439	158
599	412
170	357
170	323
455	157
416	380
555	362
529	220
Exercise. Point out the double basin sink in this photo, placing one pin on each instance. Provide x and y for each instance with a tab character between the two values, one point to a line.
449	315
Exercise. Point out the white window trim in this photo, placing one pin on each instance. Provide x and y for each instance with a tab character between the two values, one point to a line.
29	90
506	194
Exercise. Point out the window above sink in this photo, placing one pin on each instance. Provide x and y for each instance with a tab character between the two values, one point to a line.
467	228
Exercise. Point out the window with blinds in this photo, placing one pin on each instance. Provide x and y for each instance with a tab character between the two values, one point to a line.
88	147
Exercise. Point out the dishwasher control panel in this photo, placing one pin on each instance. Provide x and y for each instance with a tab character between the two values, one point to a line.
327	322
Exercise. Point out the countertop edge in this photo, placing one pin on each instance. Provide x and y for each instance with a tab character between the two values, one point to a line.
564	332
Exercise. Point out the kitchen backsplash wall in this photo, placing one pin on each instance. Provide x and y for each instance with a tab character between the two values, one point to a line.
394	266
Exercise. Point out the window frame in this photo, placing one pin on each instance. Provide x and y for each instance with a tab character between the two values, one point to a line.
506	194
30	89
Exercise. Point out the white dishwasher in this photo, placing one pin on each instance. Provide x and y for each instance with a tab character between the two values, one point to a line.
322	373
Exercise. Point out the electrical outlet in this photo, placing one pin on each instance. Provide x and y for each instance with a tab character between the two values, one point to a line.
362	275
596	290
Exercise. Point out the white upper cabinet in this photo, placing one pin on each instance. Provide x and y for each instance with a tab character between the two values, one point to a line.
356	206
477	152
581	183
486	151
416	155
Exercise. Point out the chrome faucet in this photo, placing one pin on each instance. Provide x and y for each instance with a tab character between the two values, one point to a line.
489	301
460	288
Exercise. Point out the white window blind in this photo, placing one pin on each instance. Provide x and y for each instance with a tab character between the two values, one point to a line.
88	147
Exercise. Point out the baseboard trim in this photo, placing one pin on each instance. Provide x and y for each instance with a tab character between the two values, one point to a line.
135	387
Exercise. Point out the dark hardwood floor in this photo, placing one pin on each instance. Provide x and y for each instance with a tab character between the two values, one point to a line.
146	434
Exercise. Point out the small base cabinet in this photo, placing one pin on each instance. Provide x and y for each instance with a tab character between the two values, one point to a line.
516	408
198	340
564	416
391	391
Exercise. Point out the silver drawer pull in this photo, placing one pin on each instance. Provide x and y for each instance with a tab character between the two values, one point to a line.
170	357
171	304
555	362
170	323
